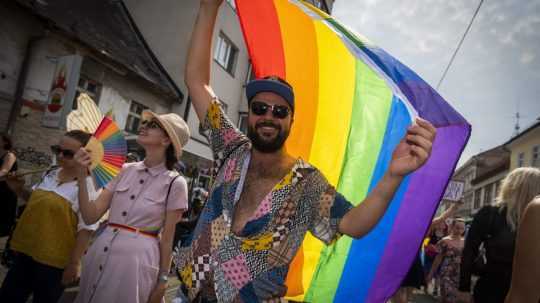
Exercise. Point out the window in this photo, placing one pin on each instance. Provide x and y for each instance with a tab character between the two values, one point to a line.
477	198
251	74
521	159
535	162
226	53
488	194
243	122
468	201
232	4
497	187
88	86
134	117
468	178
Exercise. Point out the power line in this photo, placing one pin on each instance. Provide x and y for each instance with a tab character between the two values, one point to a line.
460	43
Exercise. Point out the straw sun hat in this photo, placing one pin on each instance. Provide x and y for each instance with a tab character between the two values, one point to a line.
175	127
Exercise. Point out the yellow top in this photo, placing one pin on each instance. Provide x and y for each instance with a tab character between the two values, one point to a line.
47	229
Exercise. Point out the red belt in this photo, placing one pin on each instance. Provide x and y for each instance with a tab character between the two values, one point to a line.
134	230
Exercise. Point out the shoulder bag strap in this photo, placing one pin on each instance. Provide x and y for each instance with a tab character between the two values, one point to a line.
167	199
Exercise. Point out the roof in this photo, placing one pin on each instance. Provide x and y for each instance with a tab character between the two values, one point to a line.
488	154
491	163
523	133
492	171
106	27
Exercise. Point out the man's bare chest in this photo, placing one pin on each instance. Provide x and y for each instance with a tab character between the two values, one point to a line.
256	188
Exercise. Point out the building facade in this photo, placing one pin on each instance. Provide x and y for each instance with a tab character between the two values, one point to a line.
119	77
132	57
166	27
484	173
482	176
525	147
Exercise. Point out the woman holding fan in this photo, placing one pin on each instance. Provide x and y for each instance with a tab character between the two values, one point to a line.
50	236
130	260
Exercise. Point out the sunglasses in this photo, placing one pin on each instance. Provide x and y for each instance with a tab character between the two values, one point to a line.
278	111
66	153
151	124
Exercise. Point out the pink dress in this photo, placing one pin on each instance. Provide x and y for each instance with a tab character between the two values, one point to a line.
122	266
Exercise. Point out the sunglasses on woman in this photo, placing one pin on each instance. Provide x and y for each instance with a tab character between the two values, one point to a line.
150	124
278	111
66	153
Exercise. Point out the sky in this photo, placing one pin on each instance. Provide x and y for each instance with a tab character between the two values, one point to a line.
496	72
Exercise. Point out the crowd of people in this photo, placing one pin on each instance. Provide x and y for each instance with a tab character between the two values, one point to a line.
479	263
243	234
118	240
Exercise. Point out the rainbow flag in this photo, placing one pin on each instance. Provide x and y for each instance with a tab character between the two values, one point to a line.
354	103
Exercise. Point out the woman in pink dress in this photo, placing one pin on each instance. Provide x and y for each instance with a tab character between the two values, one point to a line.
130	260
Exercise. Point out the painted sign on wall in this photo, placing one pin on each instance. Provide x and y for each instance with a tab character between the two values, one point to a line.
63	89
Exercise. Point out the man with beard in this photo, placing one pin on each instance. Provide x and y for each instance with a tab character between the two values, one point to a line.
263	201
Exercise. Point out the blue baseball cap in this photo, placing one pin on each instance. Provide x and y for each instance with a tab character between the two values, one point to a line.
270	85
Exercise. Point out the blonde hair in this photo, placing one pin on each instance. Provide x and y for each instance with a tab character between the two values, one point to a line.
518	189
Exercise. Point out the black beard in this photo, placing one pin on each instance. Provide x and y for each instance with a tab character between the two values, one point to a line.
263	145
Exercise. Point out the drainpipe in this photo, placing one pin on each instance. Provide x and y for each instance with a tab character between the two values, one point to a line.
325	6
21	82
186	111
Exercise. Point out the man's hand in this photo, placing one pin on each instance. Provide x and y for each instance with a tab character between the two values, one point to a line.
413	150
71	274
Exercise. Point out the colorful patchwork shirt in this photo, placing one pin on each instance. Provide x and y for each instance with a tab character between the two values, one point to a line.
252	267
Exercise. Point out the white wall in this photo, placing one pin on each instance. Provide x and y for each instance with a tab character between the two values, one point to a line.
15	33
42	67
166	26
120	89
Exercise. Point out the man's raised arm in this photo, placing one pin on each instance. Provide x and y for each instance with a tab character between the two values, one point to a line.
197	74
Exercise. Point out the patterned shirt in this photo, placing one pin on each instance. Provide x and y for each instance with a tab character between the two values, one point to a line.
253	265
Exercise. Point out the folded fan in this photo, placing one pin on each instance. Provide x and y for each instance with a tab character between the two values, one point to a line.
86	117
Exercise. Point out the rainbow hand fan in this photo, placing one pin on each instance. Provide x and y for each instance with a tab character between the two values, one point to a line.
108	151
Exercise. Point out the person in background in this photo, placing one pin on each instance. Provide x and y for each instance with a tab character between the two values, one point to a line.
50	237
416	277
130	259
449	258
495	227
437	231
8	205
526	269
